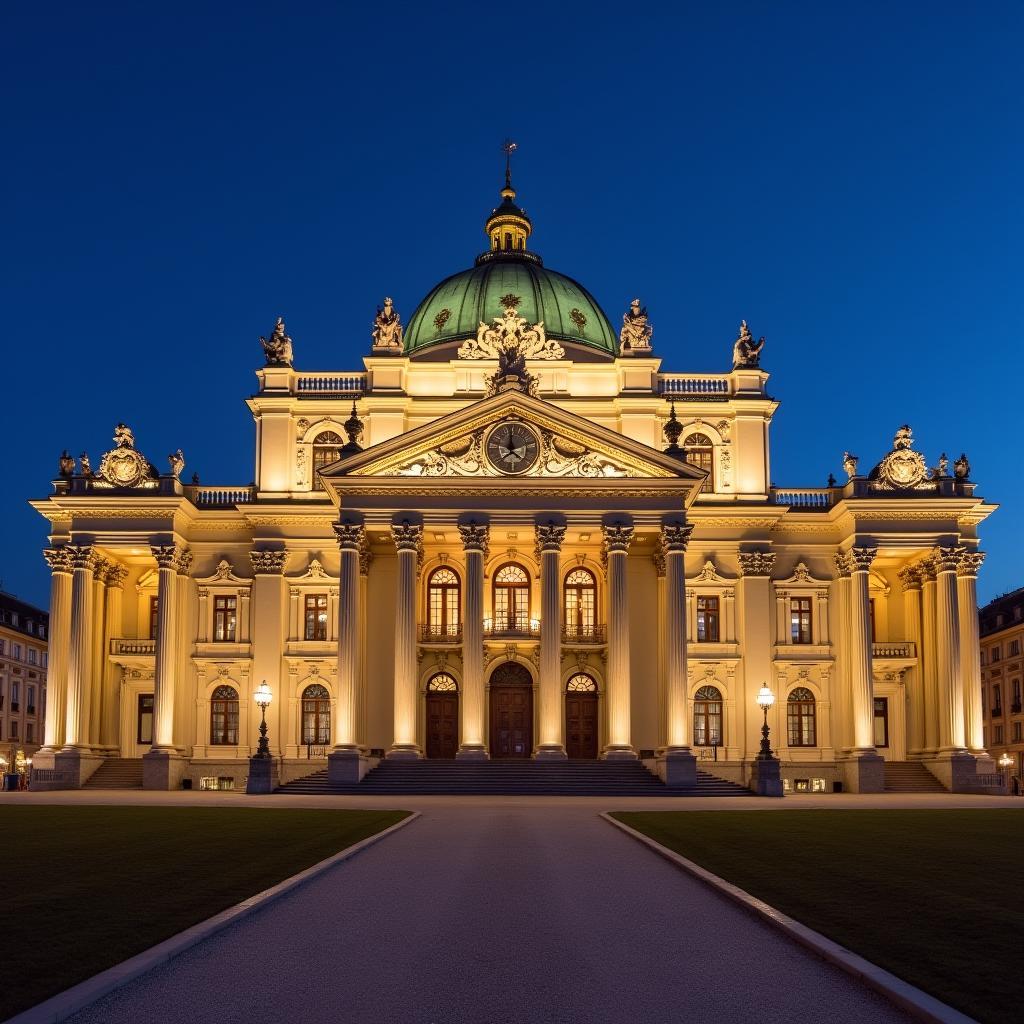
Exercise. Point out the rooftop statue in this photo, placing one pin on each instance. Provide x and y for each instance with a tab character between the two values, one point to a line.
177	461
746	353
636	332
67	463
278	347
387	328
962	468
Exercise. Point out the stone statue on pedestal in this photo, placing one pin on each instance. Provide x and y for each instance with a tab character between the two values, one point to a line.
278	347
636	332
387	328
746	353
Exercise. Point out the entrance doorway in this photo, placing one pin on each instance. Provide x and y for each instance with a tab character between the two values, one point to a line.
442	717
581	740
511	711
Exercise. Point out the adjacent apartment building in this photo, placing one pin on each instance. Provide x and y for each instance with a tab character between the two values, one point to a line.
1002	636
24	633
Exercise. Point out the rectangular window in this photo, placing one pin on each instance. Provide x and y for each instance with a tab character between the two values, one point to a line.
14	729
707	620
316	617
1014	648
800	620
1016	732
871	616
32	700
3	646
15	696
997	700
881	721
153	608
999	734
32	655
16	652
30	732
224	620
996	654
144	733
43	660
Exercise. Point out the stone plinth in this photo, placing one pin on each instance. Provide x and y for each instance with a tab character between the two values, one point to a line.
262	775
162	769
766	777
346	766
863	773
678	768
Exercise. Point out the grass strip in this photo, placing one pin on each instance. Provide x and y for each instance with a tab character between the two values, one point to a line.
88	887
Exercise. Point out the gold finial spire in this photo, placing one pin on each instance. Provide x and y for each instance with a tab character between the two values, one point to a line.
508	148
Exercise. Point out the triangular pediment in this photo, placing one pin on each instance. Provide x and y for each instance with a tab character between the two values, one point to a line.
567	446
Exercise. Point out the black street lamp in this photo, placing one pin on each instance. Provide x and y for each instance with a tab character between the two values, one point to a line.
263	697
765	699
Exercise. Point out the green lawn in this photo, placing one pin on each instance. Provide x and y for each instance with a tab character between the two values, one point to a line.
86	887
934	896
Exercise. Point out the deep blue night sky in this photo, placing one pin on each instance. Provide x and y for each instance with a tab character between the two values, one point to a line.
845	177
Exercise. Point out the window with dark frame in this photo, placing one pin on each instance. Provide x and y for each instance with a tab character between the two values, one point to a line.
800	620
144	730
315	617
580	603
700	452
153	611
707	717
316	715
224	717
224	618
444	599
708	620
881	721
511	599
801	718
326	449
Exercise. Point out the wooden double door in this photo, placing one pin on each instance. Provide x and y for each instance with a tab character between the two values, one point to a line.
442	725
581	725
511	711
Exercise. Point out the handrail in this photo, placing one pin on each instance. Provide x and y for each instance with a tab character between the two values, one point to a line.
583	634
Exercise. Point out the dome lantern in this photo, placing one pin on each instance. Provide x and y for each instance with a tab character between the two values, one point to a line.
508	227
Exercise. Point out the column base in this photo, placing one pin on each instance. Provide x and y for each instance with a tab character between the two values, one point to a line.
74	768
863	772
618	752
550	752
404	752
262	775
766	777
677	767
347	765
472	752
958	771
162	769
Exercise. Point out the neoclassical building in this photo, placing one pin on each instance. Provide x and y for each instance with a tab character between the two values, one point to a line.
513	534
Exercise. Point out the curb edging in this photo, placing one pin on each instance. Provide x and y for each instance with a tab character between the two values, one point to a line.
907	997
78	997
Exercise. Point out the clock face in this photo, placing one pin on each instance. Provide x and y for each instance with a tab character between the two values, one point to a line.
512	447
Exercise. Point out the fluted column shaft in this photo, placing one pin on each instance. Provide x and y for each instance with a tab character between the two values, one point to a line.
350	537
167	557
675	537
947	646
617	539
929	657
80	650
551	712
99	611
408	538
861	679
910	577
471	700
109	719
970	649
61	562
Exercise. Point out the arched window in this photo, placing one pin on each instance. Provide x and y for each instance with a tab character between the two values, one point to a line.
316	715
580	604
800	717
707	717
701	453
581	683
443	602
326	449
224	717
442	683
511	599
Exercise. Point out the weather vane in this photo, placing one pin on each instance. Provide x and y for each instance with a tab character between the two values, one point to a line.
508	148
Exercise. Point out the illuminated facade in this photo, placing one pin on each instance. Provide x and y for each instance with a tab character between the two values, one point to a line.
1002	667
513	533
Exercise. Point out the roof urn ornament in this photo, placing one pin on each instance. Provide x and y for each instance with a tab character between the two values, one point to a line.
746	353
278	347
962	468
66	463
942	469
354	428
673	430
387	328
86	464
635	336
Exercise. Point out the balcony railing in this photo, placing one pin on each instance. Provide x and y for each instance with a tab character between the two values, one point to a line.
434	634
583	634
897	649
330	383
518	628
219	497
130	645
694	385
805	498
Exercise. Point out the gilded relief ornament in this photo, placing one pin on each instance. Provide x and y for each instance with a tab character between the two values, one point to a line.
635	336
902	469
578	319
441	319
123	466
510	330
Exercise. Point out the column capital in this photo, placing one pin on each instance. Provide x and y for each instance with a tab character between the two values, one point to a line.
185	557
168	556
474	536
115	575
910	577
365	555
617	537
84	556
407	536
60	559
926	567
757	563
675	536
658	557
550	536
970	563
350	536
269	563
946	558
857	559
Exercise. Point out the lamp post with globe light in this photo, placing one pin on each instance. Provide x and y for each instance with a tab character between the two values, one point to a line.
766	778
261	764
1004	762
263	697
765	699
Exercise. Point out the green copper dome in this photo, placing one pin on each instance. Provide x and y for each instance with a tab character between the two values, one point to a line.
454	309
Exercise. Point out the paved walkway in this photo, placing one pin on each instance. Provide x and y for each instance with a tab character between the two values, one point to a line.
497	913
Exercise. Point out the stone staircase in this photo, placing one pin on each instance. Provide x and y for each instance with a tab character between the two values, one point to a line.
910	777
511	778
117	773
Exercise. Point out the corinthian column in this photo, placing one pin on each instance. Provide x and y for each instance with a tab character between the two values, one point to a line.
99	610
61	561
79	651
551	718
675	537
928	654
910	577
617	538
111	686
471	702
167	557
408	538
970	664
861	681
350	540
947	647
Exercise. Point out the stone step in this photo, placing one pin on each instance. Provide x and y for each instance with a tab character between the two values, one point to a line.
117	773
910	777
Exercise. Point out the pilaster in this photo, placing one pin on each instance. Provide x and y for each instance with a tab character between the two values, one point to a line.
268	606
408	538
551	718
471	700
61	561
79	650
970	648
617	538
